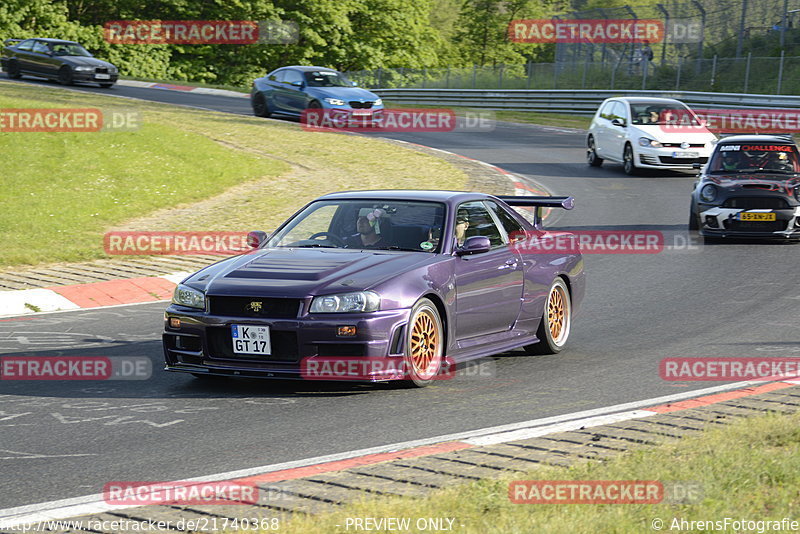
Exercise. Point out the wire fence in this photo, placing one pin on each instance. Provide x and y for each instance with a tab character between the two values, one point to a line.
748	74
694	28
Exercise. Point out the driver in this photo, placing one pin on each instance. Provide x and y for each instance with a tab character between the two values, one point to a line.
368	228
778	161
462	223
730	161
653	115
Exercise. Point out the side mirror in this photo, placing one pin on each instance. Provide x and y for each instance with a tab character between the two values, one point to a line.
297	84
697	166
476	244
256	238
618	122
354	84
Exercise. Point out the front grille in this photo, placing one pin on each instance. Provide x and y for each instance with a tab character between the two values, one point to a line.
284	345
670	160
273	308
101	70
678	145
754	226
756	203
360	105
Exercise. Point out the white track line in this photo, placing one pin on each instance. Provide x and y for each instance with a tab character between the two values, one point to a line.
94	504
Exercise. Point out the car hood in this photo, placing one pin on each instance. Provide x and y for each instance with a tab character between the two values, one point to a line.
83	60
664	135
342	93
756	181
300	272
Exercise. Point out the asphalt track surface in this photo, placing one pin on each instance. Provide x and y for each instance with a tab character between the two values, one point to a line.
65	439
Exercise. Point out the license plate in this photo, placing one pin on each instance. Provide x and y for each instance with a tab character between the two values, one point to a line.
102	76
685	154
362	113
745	216
248	339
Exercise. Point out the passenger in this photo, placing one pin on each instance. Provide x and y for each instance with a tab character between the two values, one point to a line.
462	223
368	228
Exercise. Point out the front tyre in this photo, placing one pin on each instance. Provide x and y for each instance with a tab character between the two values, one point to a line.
628	164
556	322
424	344
65	75
693	224
260	107
591	154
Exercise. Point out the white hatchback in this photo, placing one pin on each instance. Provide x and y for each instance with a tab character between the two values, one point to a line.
642	132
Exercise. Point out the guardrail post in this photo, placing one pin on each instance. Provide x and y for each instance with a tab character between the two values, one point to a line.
646	63
678	75
583	78
747	71
780	74
713	71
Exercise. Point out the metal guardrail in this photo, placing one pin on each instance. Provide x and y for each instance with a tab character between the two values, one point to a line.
583	102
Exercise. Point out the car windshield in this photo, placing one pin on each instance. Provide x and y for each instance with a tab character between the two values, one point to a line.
747	158
655	113
327	78
365	224
69	49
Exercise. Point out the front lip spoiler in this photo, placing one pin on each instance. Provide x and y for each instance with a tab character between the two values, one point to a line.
778	236
276	374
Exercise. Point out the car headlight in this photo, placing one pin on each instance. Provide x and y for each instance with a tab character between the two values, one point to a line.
644	141
112	69
186	296
360	301
708	193
84	68
378	102
334	101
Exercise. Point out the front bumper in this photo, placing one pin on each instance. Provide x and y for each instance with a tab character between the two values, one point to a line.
203	343
723	222
665	158
91	77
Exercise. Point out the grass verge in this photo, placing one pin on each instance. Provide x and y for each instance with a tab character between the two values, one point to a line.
527	117
185	169
749	470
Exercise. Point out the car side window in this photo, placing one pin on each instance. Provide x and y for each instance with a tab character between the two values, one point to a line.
41	48
292	76
277	76
607	111
473	219
513	229
621	111
26	46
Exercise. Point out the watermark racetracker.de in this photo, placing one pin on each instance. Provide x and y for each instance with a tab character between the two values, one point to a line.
397	120
238	32
176	243
61	120
75	368
604	492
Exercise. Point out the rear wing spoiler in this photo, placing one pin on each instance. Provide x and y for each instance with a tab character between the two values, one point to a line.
537	203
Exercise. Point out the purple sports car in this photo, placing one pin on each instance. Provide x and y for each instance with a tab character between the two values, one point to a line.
379	285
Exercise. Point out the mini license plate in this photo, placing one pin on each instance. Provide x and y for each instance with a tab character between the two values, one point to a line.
685	154
362	113
749	216
248	339
102	76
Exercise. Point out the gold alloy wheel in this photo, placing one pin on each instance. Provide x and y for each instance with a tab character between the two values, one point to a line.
557	313
424	345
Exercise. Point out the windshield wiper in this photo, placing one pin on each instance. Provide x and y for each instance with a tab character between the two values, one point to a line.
316	245
393	247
